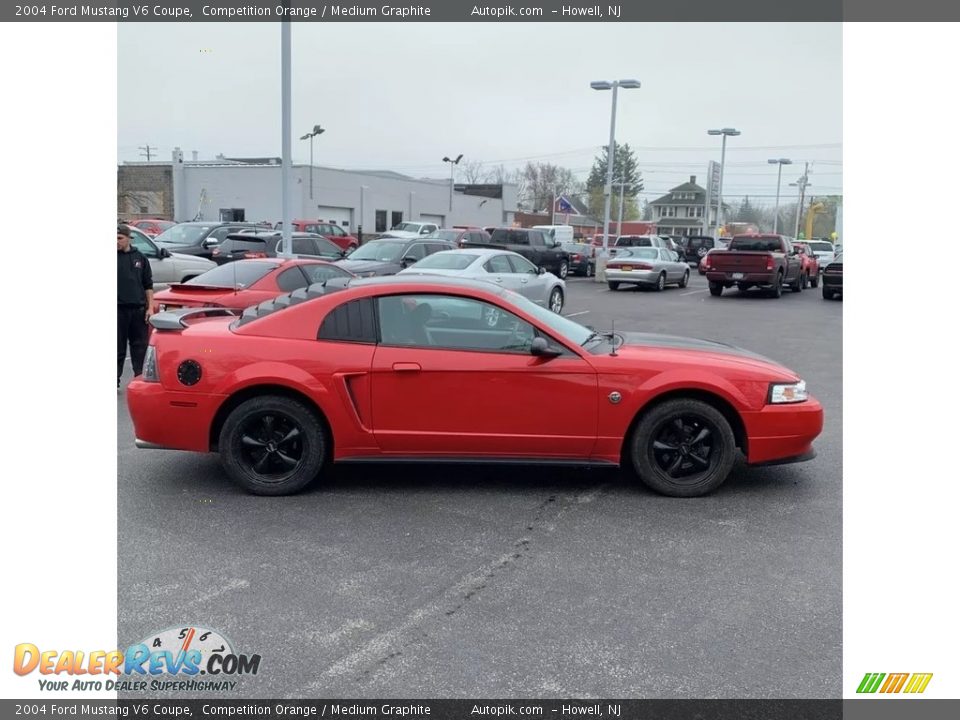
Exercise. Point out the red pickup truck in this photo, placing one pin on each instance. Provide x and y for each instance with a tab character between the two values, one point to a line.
762	260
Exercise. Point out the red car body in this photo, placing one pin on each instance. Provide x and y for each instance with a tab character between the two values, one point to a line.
376	401
280	276
152	227
810	263
330	230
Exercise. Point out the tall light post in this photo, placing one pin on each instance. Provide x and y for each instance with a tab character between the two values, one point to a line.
620	209
360	224
452	163
611	149
725	132
285	144
317	130
779	162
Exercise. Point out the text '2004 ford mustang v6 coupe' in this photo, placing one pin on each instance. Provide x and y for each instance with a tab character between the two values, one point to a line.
405	368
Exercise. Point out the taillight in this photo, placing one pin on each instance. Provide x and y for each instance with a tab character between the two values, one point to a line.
575	257
644	266
150	372
769	263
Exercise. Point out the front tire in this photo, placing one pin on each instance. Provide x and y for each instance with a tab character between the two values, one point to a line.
556	300
683	448
272	445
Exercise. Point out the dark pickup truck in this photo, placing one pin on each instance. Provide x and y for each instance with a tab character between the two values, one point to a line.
767	261
534	245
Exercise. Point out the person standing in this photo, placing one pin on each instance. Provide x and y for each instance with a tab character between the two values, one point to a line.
134	302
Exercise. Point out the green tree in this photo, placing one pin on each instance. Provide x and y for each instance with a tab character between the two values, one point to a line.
748	213
624	170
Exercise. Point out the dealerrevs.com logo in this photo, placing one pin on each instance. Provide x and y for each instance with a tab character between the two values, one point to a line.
911	683
170	660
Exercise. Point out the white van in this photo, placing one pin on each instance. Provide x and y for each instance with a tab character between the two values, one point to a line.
558	233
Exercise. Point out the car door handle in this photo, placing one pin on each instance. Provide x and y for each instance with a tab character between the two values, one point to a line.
406	367
524	280
499	280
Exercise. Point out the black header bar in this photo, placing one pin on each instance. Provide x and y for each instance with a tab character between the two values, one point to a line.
466	11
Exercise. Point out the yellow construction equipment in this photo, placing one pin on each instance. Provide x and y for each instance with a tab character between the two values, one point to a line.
815	209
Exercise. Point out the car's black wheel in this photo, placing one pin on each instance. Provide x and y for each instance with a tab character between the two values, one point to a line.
556	300
612	285
564	270
683	448
716	289
827	294
815	280
685	279
272	445
777	289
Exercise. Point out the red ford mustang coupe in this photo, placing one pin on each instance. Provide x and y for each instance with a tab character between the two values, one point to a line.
405	369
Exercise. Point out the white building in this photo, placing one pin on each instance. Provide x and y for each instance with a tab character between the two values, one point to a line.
250	190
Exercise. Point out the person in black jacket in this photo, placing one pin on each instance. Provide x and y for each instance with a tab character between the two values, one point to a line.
134	302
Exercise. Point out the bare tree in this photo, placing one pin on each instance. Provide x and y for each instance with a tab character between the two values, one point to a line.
472	171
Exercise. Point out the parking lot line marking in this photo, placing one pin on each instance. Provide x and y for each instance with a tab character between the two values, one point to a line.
582	312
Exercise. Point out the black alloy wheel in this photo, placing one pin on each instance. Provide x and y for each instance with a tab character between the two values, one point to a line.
683	448
272	445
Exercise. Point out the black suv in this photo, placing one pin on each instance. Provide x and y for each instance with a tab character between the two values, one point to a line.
534	245
699	245
244	246
200	238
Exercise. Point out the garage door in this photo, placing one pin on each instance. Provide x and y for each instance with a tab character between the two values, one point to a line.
436	219
340	215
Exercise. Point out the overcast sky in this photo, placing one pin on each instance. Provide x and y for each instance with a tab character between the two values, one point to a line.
401	96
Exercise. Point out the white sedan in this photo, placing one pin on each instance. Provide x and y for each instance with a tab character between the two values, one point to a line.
506	269
646	266
168	267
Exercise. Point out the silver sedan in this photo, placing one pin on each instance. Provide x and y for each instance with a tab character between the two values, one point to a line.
648	266
506	269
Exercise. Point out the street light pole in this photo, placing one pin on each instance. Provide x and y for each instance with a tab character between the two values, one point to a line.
723	157
286	241
311	135
779	162
611	150
620	210
452	163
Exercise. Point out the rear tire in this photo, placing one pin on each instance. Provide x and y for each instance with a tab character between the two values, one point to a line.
797	285
272	445
815	280
612	284
716	289
777	289
683	448
661	282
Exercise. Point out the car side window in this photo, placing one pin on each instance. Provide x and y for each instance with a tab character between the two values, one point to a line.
337	231
417	251
304	246
353	321
142	243
219	234
452	323
321	273
291	279
498	264
522	265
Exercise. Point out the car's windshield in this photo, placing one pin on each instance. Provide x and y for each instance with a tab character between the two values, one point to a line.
381	250
822	246
242	273
573	332
639	253
407	227
446	261
183	234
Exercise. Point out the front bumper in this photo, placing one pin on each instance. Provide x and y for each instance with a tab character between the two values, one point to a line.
783	433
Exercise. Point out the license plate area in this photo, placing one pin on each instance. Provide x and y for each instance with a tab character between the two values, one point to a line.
738	276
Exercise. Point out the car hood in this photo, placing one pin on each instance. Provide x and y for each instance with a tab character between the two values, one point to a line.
359	267
636	344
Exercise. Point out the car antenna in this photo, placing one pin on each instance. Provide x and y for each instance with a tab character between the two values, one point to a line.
613	339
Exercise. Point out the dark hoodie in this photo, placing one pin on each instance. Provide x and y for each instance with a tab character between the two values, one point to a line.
134	278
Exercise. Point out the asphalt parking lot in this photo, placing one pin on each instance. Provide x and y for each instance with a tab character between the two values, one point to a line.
450	582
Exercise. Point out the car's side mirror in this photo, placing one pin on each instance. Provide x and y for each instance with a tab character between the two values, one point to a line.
163	253
210	242
541	348
541	270
408	260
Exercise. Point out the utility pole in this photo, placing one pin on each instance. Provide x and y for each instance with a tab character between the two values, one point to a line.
801	184
620	210
147	151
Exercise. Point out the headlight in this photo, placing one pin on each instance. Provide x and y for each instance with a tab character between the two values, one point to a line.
150	373
787	392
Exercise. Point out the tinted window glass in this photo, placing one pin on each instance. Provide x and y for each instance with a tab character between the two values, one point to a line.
522	265
322	273
326	248
498	264
232	244
509	237
242	273
638	253
304	246
354	321
444	321
291	279
416	251
756	244
383	250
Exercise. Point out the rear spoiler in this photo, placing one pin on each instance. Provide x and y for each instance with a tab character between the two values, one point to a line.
176	319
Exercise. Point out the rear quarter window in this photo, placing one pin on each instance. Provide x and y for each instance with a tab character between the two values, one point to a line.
353	321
